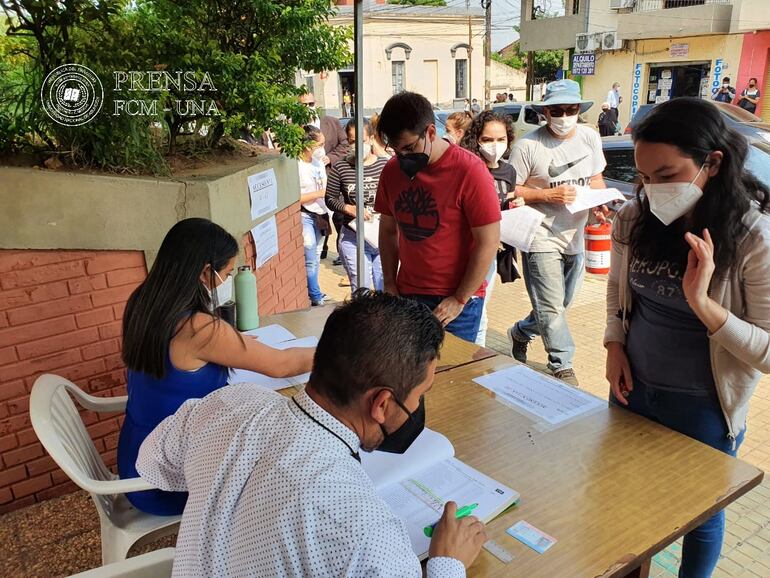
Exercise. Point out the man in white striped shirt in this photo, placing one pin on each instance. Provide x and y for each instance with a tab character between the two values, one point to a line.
276	486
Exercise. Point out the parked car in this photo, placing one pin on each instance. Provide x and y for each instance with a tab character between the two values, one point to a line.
522	123
737	118
621	169
439	115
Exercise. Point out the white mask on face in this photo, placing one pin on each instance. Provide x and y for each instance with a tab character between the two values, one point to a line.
223	291
319	153
493	151
563	125
669	201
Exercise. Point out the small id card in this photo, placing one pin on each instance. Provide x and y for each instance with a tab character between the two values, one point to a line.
527	534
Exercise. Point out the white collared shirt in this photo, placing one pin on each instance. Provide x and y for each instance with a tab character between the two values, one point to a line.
613	98
272	493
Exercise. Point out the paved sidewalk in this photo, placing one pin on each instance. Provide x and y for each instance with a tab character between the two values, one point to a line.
746	550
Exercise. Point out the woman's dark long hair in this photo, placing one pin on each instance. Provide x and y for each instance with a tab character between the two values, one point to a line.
471	139
173	288
696	128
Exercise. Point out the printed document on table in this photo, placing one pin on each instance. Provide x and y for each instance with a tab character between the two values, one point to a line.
588	198
271	334
545	397
371	231
519	225
275	383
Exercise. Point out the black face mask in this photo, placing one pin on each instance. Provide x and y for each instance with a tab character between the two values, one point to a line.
398	442
413	163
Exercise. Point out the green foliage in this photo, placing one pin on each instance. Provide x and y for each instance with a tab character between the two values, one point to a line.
248	50
547	62
418	2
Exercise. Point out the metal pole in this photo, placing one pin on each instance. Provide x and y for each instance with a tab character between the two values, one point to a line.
487	5
470	52
358	53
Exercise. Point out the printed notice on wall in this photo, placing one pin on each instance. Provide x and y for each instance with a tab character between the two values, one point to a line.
545	397
265	237
263	193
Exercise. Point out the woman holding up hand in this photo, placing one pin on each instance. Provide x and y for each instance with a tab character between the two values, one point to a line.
688	299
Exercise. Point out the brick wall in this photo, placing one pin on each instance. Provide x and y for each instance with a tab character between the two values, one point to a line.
60	312
281	282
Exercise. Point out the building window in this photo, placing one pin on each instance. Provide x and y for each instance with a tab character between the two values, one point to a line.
398	76
461	78
576	6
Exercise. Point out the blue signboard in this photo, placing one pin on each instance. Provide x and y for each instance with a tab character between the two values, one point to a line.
636	89
583	64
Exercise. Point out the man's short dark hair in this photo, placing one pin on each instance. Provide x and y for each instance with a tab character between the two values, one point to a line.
726	79
405	111
375	340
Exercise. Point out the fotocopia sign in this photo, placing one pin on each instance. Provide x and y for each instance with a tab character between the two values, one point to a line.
72	94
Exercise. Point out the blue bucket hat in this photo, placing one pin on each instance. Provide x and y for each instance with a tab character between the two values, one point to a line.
563	91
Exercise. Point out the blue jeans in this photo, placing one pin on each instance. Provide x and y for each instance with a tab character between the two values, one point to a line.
700	418
312	240
372	266
552	280
466	325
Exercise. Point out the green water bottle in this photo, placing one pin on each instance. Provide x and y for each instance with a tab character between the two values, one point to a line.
246	316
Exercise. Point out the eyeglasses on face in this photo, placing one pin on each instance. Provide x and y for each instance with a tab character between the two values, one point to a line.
310	104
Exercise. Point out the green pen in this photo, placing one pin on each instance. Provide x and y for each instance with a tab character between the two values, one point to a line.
461	513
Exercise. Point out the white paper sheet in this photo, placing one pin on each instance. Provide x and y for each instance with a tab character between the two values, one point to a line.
263	193
371	230
246	376
271	334
588	198
385	468
519	225
545	397
265	237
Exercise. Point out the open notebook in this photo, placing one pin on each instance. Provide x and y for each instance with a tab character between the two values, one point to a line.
278	337
418	483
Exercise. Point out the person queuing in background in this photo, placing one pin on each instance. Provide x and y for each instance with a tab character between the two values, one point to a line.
614	99
276	484
315	219
688	298
335	147
440	217
176	346
606	121
341	197
475	107
490	137
726	93
750	96
378	147
457	124
466	105
549	162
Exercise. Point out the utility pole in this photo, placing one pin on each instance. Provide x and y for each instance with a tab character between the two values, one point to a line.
470	51
530	75
487	6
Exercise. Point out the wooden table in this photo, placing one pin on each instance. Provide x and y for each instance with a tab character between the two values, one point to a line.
304	323
613	488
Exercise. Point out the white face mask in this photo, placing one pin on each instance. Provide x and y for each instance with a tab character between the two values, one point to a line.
669	201
493	151
563	125
319	153
223	291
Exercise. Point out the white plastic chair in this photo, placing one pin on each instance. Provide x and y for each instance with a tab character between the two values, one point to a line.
61	431
156	564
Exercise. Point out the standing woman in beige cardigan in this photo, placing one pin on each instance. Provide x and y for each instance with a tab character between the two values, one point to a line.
688	299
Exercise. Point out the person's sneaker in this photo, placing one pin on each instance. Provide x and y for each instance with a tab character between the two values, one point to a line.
324	253
319	302
567	376
518	348
337	262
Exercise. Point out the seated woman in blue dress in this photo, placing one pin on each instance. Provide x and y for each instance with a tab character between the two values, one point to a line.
176	347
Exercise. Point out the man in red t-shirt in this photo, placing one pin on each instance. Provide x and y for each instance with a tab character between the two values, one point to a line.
440	217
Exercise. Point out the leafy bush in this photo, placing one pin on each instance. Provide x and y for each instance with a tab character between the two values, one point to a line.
249	51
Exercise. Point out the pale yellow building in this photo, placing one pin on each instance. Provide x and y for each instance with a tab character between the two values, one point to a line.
416	48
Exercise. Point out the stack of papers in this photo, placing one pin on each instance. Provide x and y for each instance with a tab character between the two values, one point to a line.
278	337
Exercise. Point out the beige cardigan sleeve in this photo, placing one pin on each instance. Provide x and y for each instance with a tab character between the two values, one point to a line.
614	330
748	337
